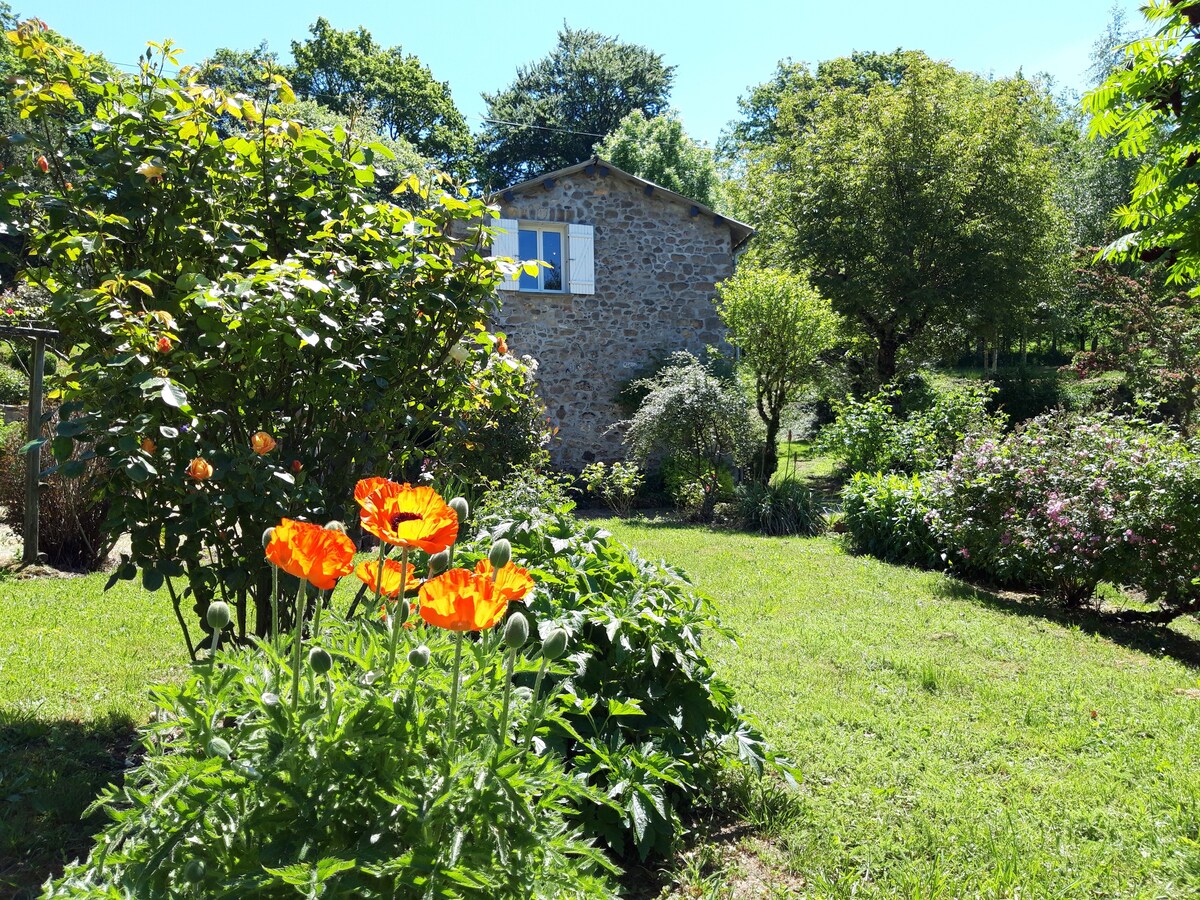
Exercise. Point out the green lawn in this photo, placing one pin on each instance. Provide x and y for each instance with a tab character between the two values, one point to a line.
954	743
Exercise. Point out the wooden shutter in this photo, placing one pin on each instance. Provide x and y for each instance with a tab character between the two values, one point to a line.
505	243
582	268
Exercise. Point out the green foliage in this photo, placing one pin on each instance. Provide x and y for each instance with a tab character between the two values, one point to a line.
348	71
72	510
887	516
651	724
695	418
658	149
780	507
783	326
616	485
920	202
354	793
553	112
218	286
870	436
14	386
1149	106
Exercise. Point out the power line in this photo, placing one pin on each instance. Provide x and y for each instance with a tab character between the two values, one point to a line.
540	127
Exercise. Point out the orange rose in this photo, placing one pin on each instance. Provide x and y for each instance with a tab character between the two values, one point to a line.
406	516
43	164
164	345
390	586
200	469
460	600
319	555
262	443
297	466
148	445
502	347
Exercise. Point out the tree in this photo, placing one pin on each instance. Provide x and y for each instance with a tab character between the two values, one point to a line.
658	149
698	419
1151	107
254	329
555	110
918	204
240	71
782	325
349	72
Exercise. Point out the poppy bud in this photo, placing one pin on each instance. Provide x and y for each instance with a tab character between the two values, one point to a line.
335	525
217	615
200	469
194	871
267	535
501	554
164	345
460	507
555	644
402	612
320	660
148	445
516	632
43	164
262	443
439	563
418	657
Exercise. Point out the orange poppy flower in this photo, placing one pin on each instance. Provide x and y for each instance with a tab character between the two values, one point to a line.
262	443
407	516
461	600
319	555
200	469
390	586
512	582
366	486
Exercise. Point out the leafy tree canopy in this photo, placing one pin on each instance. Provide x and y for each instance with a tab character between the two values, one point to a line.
564	102
920	200
659	150
348	72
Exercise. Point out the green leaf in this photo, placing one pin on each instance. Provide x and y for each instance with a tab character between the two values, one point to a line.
174	395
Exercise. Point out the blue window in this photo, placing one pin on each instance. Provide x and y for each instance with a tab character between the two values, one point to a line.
545	244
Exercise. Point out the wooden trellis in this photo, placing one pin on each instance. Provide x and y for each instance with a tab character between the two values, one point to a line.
33	463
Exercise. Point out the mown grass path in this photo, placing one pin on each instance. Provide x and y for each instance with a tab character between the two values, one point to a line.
954	743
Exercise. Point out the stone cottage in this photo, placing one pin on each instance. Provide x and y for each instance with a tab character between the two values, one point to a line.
631	276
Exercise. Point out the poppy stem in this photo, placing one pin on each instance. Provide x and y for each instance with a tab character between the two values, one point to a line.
297	641
379	574
274	604
533	705
452	724
396	625
316	629
508	671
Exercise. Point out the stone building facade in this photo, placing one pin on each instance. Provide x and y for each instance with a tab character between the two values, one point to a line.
631	280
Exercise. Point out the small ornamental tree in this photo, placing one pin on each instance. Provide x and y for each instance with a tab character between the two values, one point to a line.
782	325
253	329
700	421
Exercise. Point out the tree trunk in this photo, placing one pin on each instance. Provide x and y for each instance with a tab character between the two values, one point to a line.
766	462
885	358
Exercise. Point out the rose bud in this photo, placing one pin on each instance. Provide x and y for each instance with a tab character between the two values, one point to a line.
43	164
297	466
148	445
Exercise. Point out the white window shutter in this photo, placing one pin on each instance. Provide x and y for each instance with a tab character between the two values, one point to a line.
505	243
582	268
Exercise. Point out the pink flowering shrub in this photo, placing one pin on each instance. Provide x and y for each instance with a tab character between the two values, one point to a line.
1067	501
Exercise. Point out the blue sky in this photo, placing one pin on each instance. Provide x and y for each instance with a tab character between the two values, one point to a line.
719	48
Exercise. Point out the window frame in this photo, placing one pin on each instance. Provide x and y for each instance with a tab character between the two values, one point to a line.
540	228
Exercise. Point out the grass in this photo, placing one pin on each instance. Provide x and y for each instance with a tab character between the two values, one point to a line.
953	742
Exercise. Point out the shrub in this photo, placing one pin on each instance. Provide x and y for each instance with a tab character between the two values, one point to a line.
310	312
616	485
699	420
887	516
869	436
637	636
14	386
1023	393
71	514
1067	501
782	507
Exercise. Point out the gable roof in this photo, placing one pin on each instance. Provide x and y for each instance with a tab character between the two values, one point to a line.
740	231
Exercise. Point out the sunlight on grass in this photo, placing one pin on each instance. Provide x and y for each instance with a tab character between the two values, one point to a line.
954	743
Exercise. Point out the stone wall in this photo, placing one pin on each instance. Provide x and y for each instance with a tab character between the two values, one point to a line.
655	267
